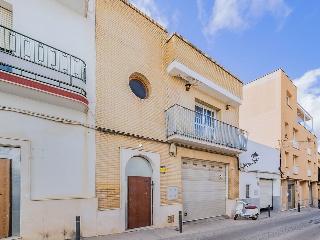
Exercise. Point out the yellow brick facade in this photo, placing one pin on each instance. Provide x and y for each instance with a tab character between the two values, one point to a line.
108	167
129	43
183	51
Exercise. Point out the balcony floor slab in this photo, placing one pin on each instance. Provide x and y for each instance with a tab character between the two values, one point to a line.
23	87
177	138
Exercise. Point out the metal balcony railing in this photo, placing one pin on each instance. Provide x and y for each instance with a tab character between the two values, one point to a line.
29	55
304	118
197	126
42	79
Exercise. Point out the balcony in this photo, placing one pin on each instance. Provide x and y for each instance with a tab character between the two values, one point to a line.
309	151
309	173
295	170
288	173
295	144
304	118
189	127
35	70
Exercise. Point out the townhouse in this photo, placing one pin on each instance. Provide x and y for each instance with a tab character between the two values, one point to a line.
167	118
47	148
272	115
108	117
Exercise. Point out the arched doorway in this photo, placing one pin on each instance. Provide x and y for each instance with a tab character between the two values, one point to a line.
138	173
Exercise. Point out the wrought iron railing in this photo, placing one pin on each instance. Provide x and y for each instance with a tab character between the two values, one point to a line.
195	125
42	79
29	49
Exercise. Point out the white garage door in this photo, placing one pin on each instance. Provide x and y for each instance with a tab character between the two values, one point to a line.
265	193
203	189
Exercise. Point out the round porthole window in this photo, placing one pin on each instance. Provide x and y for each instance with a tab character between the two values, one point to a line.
139	86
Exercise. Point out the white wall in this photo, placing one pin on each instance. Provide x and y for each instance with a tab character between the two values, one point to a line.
248	179
268	161
63	156
266	167
58	26
252	179
58	159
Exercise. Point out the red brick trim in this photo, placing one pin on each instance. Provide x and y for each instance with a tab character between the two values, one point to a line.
41	87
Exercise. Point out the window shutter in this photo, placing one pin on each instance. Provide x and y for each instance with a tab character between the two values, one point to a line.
6	21
5	17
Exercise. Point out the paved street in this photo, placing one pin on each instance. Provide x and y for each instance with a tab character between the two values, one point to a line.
291	225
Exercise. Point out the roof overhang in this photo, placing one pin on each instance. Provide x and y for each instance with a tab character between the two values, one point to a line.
179	70
177	138
78	6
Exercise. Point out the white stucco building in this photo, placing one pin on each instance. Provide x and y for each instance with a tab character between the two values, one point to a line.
47	92
259	176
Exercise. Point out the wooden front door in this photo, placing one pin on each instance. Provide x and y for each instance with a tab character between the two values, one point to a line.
139	202
4	197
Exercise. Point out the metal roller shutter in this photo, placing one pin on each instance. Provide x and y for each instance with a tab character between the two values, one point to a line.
203	189
265	193
6	21
5	17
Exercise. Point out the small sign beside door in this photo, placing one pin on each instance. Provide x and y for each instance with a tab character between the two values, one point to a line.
162	169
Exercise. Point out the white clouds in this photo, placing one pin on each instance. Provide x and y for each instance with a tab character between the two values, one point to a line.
150	8
309	95
237	15
175	20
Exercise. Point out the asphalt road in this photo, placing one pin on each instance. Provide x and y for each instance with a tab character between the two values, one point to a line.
288	225
297	227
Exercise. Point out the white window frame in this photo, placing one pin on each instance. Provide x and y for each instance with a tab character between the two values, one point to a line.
204	107
288	97
205	125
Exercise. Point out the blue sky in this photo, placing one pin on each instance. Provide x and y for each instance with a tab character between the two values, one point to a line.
251	38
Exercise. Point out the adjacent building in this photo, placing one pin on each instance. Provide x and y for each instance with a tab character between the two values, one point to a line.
167	119
318	179
272	115
47	143
259	176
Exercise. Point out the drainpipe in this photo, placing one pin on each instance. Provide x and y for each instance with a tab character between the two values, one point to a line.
238	162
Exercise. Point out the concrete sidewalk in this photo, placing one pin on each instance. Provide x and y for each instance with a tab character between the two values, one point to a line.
197	226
